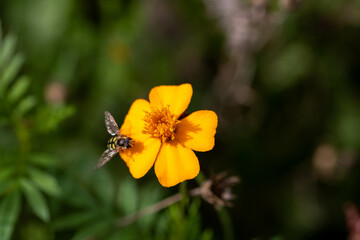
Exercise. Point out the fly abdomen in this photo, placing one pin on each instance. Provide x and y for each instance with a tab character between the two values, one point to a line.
112	143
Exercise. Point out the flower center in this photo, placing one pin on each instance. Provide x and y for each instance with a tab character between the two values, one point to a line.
161	124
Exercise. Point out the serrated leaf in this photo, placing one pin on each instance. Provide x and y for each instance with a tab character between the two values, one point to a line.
35	199
18	89
45	181
43	160
75	220
25	105
9	213
11	70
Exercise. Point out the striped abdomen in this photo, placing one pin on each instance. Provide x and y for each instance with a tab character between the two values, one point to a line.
112	142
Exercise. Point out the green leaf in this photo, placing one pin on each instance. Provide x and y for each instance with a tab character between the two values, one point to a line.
7	49
32	229
175	213
148	195
25	105
161	225
105	194
18	89
193	227
80	197
225	221
95	229
75	220
207	234
11	70
284	71
43	160
51	116
6	186
45	181
0	35
9	213
6	172
127	198
35	199
4	120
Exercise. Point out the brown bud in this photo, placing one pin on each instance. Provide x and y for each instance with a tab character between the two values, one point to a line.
217	190
55	93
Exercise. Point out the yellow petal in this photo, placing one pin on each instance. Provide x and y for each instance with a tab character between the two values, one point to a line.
197	130
140	157
134	123
176	97
175	163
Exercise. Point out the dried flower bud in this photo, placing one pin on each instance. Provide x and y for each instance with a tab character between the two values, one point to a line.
290	4
217	190
55	93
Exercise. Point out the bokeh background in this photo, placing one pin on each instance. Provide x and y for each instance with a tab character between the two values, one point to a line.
282	75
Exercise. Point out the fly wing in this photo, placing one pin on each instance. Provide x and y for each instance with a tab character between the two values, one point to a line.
105	157
110	123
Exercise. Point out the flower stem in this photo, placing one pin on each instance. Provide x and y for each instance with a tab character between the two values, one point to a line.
124	221
224	217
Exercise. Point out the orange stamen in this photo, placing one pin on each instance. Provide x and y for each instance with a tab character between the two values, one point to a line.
161	124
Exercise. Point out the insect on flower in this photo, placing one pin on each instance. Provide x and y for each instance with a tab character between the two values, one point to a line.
164	138
116	143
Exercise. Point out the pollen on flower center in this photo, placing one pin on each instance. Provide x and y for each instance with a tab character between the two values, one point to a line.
161	124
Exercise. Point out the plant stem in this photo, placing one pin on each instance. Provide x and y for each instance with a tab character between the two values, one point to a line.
124	221
226	224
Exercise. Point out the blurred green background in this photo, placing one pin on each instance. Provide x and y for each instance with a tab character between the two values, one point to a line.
283	77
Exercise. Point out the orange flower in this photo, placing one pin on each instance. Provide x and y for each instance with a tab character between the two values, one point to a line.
164	139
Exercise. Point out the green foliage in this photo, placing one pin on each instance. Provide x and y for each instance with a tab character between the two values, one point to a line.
9	213
35	199
284	82
181	225
41	159
108	204
54	115
12	94
285	71
24	171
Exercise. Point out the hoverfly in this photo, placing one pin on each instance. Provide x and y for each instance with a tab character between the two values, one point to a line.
116	143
